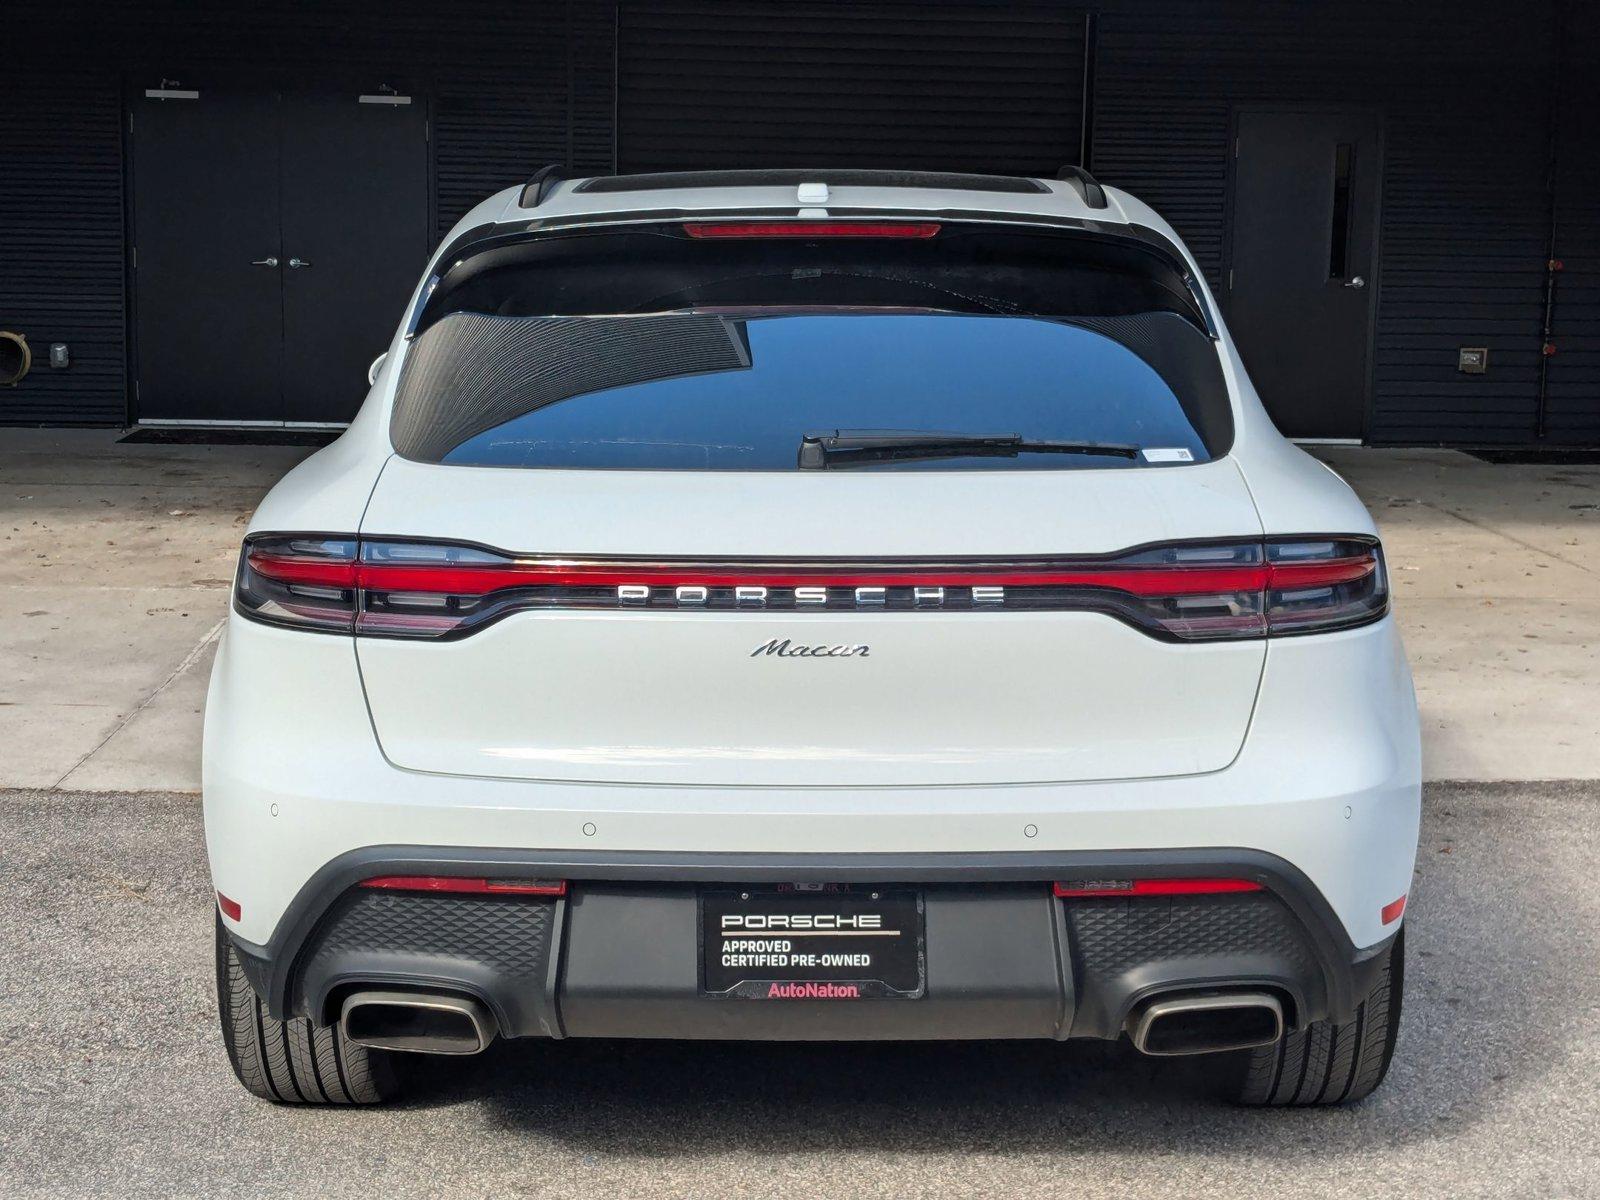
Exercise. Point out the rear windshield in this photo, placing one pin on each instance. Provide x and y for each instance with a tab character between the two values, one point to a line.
685	356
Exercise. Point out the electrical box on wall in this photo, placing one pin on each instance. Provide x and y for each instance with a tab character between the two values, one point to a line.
1472	360
60	357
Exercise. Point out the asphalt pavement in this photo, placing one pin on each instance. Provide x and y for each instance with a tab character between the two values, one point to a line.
113	1079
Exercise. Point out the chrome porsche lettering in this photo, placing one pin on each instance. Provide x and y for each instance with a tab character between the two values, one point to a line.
871	596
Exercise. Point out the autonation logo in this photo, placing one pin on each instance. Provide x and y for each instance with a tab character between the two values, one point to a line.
814	991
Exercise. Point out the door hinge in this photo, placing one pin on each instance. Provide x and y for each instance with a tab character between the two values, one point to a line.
1230	279
136	258
130	120
427	131
1236	145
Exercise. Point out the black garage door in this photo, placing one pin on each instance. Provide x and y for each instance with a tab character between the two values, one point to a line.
754	83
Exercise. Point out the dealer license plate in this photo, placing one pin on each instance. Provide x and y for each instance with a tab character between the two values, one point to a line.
840	942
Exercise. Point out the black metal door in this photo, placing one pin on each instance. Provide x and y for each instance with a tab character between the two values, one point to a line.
278	238
209	316
355	236
1300	292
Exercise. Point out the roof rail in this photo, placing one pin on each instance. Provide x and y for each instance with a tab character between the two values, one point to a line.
540	184
1093	194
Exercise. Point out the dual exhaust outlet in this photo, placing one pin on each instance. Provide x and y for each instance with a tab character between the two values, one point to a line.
1185	1023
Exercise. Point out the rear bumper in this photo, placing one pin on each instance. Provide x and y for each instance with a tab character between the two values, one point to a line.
1328	780
618	956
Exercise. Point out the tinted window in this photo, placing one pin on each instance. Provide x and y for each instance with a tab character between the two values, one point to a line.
714	391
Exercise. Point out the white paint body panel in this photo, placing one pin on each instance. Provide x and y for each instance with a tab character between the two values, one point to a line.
1328	779
812	513
941	699
1319	765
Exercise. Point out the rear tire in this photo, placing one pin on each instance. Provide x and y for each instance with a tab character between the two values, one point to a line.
1330	1063
292	1062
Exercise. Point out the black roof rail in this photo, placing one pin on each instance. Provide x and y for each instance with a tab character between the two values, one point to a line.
1093	194
540	184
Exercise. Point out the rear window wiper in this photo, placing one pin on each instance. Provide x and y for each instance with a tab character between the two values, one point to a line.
844	447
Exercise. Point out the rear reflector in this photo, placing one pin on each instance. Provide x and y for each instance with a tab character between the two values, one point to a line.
1390	913
1079	888
230	908
812	229
464	885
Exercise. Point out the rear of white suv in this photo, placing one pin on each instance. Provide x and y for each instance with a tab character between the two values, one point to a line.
811	605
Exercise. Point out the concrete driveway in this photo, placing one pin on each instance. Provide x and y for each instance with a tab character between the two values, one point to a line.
113	1080
117	561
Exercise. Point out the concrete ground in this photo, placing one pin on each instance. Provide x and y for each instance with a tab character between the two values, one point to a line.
117	560
113	1079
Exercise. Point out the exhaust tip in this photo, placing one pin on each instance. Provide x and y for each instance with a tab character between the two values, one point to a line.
1206	1023
417	1022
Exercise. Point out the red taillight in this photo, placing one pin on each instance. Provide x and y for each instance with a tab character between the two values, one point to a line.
230	908
1082	888
812	229
302	581
1185	592
466	885
1390	913
1319	584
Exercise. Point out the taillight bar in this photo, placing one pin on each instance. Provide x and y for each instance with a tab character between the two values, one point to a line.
1102	888
481	580
390	587
468	885
812	229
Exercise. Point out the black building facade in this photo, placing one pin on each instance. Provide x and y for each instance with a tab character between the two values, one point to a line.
1437	160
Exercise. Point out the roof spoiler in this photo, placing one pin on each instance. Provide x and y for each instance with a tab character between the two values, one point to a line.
540	184
1093	194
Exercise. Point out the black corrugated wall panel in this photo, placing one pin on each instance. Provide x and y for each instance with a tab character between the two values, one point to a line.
512	87
887	83
61	255
1572	409
1464	92
1465	89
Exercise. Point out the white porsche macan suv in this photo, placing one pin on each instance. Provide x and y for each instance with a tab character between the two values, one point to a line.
811	605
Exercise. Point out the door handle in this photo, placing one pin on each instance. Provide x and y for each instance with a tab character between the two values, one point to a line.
298	262
1358	283
264	262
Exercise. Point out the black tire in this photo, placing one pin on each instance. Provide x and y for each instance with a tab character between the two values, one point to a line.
292	1062
1329	1063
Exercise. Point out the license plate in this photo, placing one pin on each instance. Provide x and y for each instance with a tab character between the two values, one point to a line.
847	943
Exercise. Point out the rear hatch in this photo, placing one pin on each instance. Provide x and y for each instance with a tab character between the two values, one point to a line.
680	695
679	595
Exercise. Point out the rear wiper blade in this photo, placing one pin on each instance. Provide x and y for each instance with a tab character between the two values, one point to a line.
842	447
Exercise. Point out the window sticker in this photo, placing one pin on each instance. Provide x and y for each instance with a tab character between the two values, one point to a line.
1167	454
